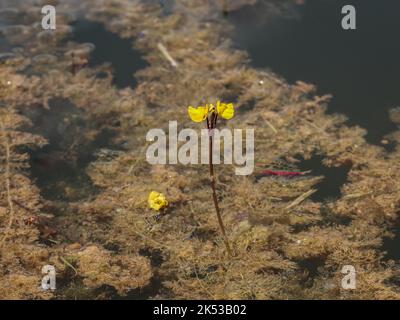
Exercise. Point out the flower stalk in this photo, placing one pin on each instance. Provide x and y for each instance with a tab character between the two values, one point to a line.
211	126
210	114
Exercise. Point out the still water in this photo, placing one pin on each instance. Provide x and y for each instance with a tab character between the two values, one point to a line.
306	42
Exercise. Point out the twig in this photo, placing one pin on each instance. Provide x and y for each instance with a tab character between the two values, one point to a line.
301	198
21	205
271	126
356	195
69	265
166	54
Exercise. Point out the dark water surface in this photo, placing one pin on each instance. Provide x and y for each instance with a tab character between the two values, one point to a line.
306	42
61	164
334	178
124	60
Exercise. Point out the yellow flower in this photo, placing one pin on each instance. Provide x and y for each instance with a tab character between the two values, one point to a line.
198	114
157	200
225	110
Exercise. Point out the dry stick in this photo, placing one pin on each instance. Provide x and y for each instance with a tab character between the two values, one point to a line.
301	198
212	182
166	54
21	205
271	126
68	264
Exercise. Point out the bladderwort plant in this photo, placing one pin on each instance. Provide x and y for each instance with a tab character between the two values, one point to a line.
210	113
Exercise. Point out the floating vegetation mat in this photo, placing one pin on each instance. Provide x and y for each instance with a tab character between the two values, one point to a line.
74	114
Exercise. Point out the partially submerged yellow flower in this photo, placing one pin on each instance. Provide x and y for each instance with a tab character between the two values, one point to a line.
199	114
225	110
157	200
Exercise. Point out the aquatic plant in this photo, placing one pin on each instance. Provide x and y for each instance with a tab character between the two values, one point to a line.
20	209
210	113
286	245
157	201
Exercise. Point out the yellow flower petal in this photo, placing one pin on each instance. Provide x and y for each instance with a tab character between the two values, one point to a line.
225	110
198	114
157	201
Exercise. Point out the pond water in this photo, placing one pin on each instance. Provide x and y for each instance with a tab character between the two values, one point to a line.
59	168
298	40
334	177
110	48
306	42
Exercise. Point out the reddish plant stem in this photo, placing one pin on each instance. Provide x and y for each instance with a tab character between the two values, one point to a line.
211	125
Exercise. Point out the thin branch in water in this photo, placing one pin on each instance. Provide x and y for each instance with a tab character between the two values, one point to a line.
166	54
301	198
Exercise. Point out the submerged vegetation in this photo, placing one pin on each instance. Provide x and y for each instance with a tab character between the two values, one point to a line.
104	240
